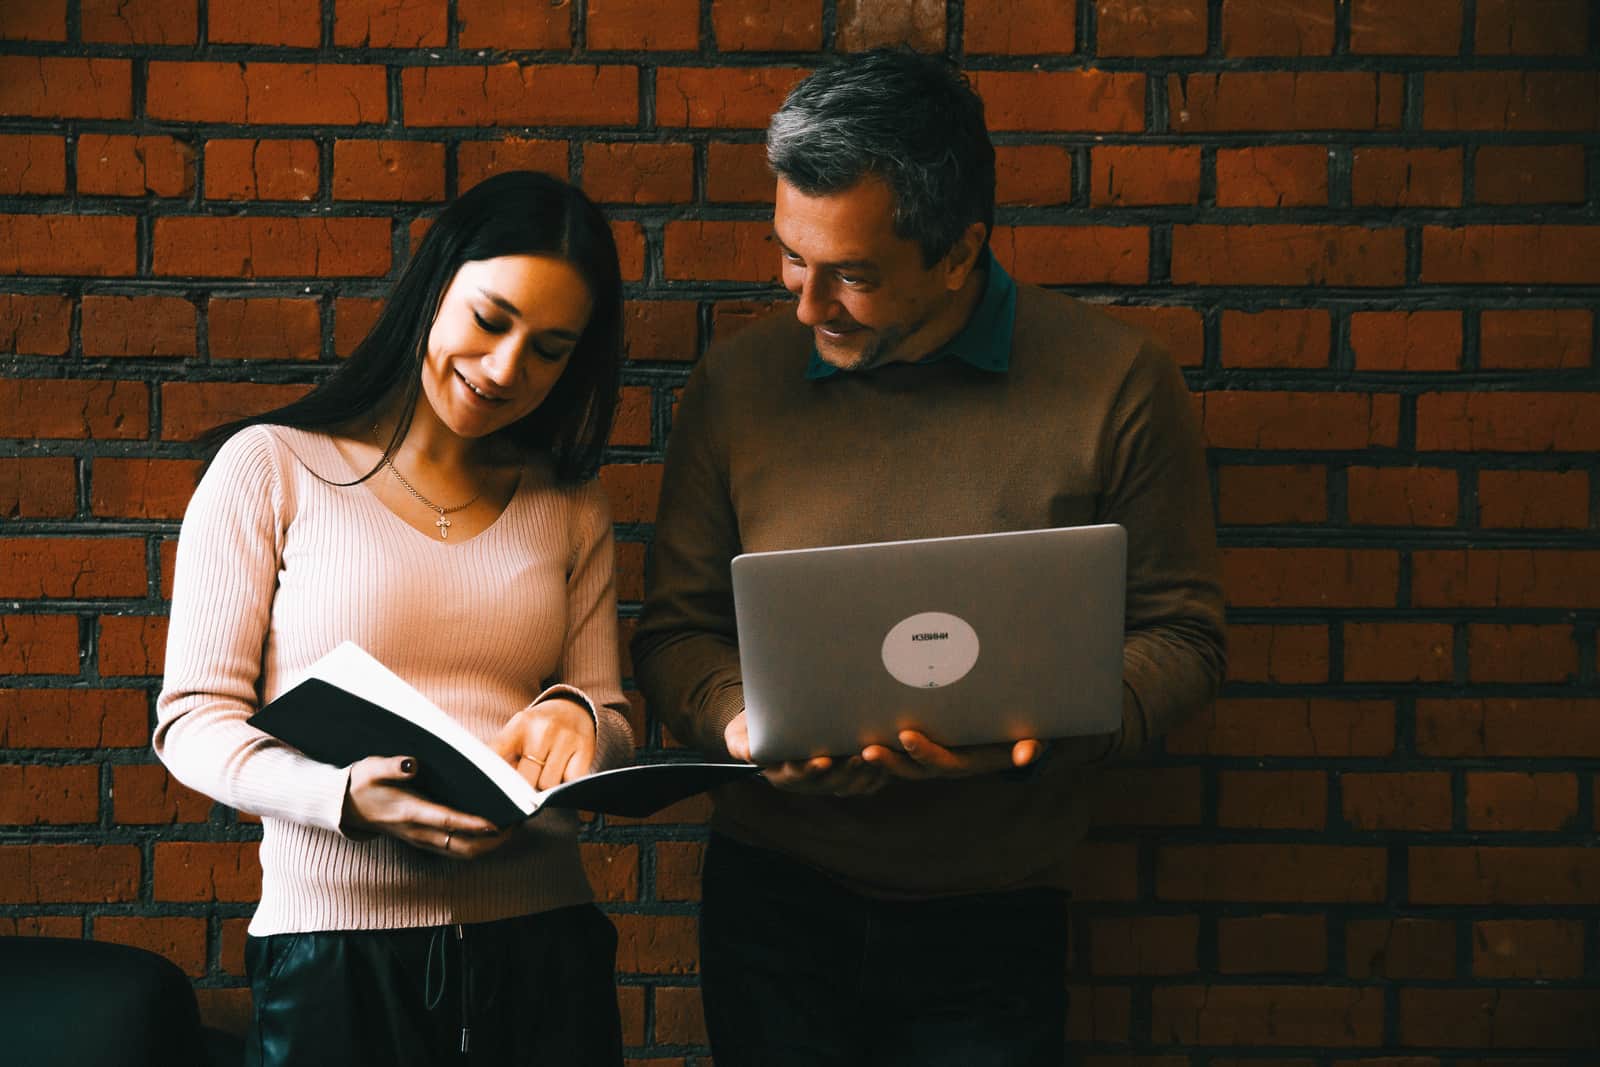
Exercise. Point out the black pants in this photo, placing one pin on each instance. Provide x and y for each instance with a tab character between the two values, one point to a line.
798	970
538	989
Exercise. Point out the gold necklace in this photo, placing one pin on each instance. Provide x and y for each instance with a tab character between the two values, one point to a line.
442	522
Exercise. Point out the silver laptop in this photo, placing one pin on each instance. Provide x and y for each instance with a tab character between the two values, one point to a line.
992	637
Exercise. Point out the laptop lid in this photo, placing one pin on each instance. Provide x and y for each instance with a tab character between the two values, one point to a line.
976	639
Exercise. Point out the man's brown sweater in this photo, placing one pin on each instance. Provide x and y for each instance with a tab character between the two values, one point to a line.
1091	424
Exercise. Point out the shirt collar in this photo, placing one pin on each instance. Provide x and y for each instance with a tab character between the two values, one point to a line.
984	342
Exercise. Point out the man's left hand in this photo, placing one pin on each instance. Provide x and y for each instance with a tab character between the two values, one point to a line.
923	758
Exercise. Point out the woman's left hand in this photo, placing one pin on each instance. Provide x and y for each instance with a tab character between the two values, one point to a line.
549	742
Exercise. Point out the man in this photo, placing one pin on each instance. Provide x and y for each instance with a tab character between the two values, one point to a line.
908	905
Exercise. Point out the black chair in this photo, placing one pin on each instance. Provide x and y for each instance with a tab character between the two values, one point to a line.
77	1003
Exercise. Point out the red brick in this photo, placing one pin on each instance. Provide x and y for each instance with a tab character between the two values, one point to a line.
1288	727
1034	175
45	487
1422	27
1180	330
659	330
1272	176
1406	340
477	160
1394	800
1253	496
1507	422
1500	1019
388	170
71	567
168	551
1289	338
1275	800
631	427
43	20
1142	175
1098	1014
1400	949
1517	727
1553	339
1406	177
1105	871
142	488
353	319
1074	255
1280	100
1290	873
385	24
272	247
613	870
1475	874
1311	577
767	25
191	408
1398	652
1277	27
915	24
32	164
1501	652
633	489
1287	255
264	329
1402	496
146	795
203	871
1272	944
1151	28
1506	801
513	95
95	245
35	325
1528	948
1548	174
1150	796
630	241
737	173
1019	27
41	926
1543	28
1511	100
295	23
228	1010
231	952
723	251
679	1018
49	87
261	170
735	98
68	874
1271	420
513	24
323	94
73	718
35	795
630	565
678	867
656	944
1281	654
138	326
140	21
1267	1015
630	173
112	411
1090	101
1523	500
132	644
644	25
179	938
117	165
1144	945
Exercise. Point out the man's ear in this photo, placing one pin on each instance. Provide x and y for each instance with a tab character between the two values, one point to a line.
962	259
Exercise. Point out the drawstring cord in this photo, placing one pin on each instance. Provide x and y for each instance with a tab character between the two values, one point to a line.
433	993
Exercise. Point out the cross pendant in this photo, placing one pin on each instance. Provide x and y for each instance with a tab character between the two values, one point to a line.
444	527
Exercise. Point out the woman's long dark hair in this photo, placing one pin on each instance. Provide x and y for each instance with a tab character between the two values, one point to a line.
515	213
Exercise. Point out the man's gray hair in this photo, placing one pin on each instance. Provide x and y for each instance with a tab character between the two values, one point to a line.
912	120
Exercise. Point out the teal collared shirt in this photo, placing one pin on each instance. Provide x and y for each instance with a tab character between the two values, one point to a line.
984	342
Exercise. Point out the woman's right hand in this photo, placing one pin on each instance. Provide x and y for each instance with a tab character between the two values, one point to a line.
380	800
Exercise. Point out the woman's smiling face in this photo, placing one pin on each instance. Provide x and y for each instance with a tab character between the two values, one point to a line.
504	332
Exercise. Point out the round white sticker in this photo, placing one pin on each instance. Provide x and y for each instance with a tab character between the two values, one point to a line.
930	649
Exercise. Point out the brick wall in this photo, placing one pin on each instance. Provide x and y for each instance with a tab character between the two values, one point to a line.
1366	228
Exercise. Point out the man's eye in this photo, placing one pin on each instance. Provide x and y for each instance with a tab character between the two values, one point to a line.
850	279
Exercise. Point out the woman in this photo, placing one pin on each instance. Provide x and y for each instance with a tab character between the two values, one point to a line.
431	501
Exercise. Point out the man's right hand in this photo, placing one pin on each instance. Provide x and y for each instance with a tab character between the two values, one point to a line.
849	777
